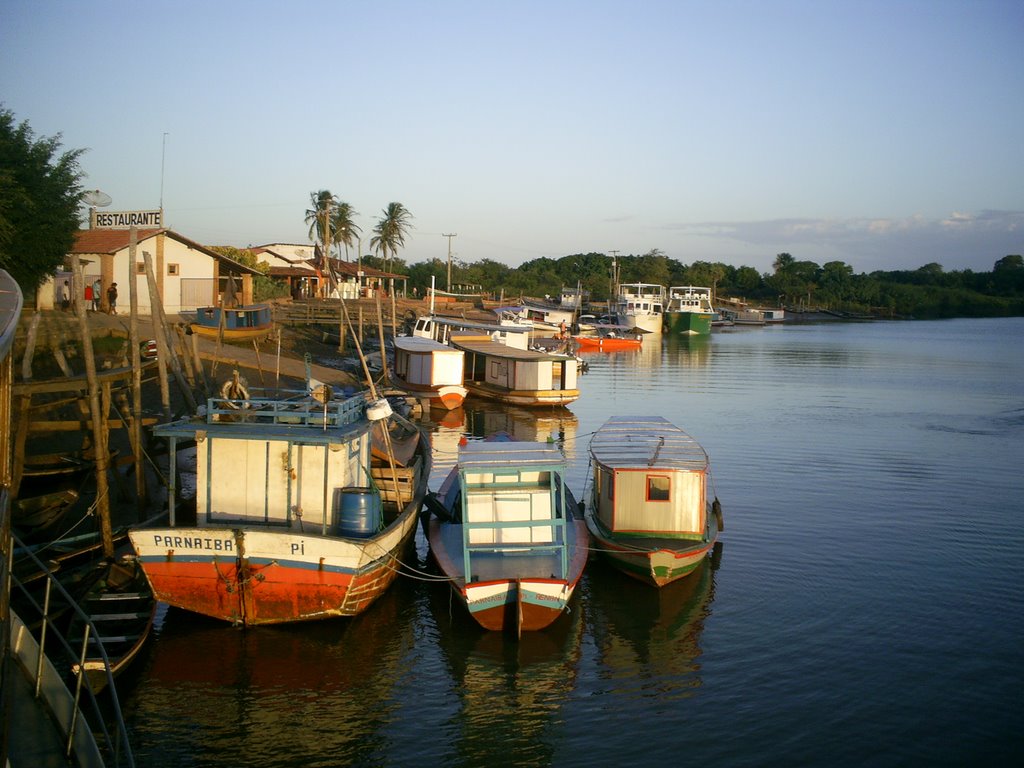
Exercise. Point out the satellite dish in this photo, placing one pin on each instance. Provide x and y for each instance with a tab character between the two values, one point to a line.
96	198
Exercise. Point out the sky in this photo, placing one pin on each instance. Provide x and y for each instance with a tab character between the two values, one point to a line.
886	135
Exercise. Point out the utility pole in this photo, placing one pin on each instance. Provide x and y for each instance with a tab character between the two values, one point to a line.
614	291
453	234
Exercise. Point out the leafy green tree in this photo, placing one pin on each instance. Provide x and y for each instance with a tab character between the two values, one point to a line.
40	195
389	234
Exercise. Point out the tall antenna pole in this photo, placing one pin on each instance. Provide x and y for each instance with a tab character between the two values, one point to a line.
163	157
453	234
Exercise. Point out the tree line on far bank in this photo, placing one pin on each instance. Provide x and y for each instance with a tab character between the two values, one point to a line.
927	292
41	192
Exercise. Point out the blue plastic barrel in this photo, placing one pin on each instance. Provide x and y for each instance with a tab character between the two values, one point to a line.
357	513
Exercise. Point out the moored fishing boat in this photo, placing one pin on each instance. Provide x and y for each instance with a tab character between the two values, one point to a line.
429	369
641	306
440	328
649	514
608	338
251	321
517	376
292	521
688	310
504	529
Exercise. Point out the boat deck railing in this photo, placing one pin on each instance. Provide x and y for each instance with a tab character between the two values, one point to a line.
556	523
86	726
303	412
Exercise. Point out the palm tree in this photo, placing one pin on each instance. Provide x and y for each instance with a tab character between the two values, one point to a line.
390	232
343	226
783	262
320	216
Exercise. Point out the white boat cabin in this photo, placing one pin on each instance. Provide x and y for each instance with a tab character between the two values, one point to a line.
650	478
425	362
279	464
441	328
533	377
689	298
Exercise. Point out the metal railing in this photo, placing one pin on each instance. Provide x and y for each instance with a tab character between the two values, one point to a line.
56	652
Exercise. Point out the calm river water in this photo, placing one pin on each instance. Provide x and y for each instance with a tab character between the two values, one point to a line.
867	609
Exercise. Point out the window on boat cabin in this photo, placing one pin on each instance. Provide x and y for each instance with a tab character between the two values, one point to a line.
658	488
608	481
172	269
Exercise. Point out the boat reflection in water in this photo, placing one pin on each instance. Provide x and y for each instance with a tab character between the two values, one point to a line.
311	694
689	351
644	634
509	691
526	425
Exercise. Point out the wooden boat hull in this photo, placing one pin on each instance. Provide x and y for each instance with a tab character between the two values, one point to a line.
447	396
37	514
122	608
254	321
653	561
250	577
231	334
527	397
515	604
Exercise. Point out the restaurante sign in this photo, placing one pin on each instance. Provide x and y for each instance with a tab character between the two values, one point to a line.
125	219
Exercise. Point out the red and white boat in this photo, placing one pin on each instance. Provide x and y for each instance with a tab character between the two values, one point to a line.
431	370
293	519
507	533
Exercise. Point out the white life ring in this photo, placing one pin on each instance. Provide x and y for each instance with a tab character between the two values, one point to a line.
234	390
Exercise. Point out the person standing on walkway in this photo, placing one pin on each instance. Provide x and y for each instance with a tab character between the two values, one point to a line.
112	298
65	296
97	294
88	296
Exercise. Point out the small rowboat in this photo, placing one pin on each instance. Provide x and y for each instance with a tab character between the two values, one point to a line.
35	515
252	321
121	608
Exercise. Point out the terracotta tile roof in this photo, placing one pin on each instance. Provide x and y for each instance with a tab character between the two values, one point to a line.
107	240
114	240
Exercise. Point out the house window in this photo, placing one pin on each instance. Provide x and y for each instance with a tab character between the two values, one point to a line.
140	267
172	269
657	488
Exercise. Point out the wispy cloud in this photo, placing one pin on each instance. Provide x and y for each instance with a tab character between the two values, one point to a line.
958	241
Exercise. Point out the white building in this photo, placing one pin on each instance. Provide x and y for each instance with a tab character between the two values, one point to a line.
188	275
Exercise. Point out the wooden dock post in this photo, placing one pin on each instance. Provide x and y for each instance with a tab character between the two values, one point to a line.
135	422
99	424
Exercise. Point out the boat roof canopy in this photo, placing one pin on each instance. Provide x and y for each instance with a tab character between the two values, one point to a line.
482	345
491	456
646	442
